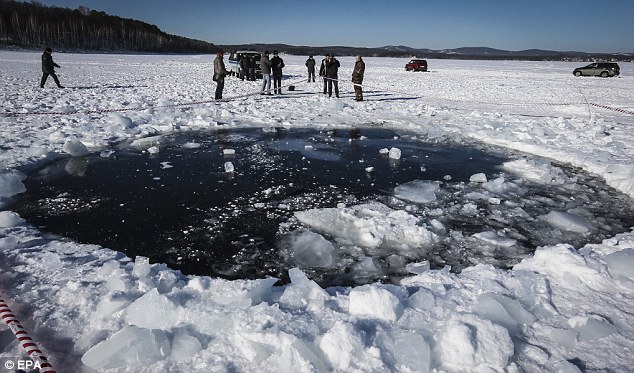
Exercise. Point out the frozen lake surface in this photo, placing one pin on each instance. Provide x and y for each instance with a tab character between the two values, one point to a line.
564	307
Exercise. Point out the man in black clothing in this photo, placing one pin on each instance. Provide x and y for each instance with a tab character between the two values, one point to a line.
310	64
332	76
276	65
48	68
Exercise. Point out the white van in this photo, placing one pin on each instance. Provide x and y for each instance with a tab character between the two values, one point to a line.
233	64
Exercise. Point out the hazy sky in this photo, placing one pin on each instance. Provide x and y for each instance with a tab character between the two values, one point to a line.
563	25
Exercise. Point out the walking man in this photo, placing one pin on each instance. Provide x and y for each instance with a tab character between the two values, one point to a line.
48	68
357	78
219	74
310	64
277	64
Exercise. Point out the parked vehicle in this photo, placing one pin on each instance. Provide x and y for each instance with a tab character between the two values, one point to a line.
233	64
416	64
602	69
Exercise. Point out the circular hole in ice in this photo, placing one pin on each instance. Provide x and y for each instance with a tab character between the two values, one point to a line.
348	206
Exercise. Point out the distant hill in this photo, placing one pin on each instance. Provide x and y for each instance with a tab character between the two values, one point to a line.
475	53
32	25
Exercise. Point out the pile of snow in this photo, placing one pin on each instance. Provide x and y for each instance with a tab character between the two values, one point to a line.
565	309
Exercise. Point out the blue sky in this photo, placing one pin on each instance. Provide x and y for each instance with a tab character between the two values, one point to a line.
563	25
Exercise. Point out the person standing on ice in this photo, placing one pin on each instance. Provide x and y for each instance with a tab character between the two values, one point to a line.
331	69
310	64
265	66
322	71
219	74
277	64
48	68
357	78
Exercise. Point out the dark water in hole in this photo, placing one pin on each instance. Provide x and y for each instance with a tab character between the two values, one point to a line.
180	206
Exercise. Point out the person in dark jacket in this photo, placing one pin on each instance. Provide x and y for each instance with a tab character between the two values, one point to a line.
219	74
48	68
322	71
252	65
331	74
310	64
244	67
357	78
277	64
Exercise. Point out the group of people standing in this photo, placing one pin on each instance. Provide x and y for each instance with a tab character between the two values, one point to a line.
329	71
268	66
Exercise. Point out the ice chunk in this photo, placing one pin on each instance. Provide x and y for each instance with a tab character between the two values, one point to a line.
418	191
129	348
394	153
75	148
478	178
112	303
122	120
567	222
418	268
153	150
153	311
184	346
142	267
341	345
537	171
375	302
303	292
11	183
468	341
8	243
494	238
621	263
423	298
410	351
228	151
308	249
591	327
147	142
229	167
10	219
369	225
505	311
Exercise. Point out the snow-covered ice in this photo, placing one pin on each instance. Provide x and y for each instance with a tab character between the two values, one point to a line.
565	308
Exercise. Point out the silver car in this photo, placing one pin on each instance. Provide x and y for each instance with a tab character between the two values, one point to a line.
602	69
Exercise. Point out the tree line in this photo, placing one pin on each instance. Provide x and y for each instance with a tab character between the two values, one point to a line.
33	25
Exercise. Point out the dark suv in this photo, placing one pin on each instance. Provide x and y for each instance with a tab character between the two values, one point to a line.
602	69
416	65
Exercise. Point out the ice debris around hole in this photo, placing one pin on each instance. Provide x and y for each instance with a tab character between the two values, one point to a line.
10	219
591	327
375	303
369	225
418	191
568	222
129	348
229	167
11	183
75	148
